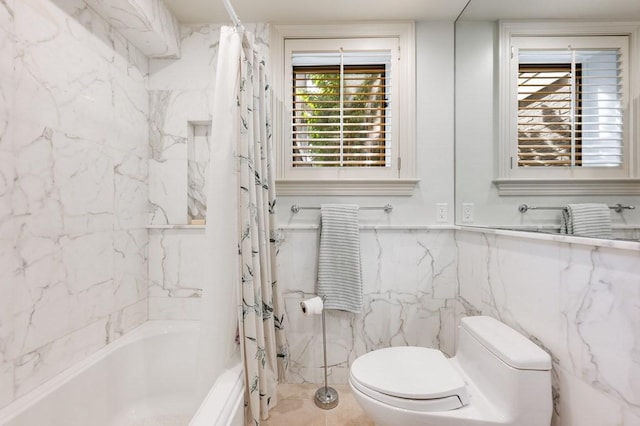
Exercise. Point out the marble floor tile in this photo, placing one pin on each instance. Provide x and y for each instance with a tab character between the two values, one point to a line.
296	408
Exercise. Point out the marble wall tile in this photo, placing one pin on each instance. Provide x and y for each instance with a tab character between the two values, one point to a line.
126	319
131	276
131	191
630	417
177	263
6	383
7	52
73	100
180	99
601	302
172	114
35	367
297	261
83	176
406	303
148	24
196	68
180	95
174	308
199	146
76	158
582	404
197	65
578	302
168	192
130	71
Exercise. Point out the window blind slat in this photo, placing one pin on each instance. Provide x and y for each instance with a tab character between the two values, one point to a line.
340	116
561	95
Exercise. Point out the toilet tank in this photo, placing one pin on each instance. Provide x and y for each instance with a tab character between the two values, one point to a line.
511	371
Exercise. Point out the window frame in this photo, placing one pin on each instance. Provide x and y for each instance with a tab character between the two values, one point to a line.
575	181
400	178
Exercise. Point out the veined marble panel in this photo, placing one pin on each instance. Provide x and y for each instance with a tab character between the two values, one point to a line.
7	52
148	24
171	112
130	71
37	366
199	147
168	192
76	157
196	68
601	307
410	285
6	383
174	308
130	267
131	191
578	302
83	176
75	100
126	319
177	261
181	93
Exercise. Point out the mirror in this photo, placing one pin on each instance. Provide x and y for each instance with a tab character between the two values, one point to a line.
479	202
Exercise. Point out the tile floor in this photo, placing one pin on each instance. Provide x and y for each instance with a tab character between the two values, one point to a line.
296	408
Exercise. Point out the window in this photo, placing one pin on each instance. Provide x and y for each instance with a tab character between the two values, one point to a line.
341	115
565	109
346	110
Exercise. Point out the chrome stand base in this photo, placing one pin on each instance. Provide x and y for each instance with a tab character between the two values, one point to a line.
326	398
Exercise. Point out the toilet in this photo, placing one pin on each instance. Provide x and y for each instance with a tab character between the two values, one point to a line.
497	377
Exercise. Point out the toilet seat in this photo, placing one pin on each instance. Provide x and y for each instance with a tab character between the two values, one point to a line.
414	378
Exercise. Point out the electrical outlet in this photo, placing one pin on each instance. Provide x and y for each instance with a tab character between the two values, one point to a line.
442	212
467	212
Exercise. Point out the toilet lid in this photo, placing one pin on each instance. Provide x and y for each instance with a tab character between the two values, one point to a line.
409	372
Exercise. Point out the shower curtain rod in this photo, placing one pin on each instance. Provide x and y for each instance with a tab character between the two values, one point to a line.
231	12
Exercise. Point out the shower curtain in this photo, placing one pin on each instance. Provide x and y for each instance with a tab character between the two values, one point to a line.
241	217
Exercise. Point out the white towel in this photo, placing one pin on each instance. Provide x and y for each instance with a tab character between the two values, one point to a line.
339	269
586	220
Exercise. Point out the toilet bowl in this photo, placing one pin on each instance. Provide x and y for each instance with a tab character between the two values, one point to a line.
498	377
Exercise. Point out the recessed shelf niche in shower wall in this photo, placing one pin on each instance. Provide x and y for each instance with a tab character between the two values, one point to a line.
198	148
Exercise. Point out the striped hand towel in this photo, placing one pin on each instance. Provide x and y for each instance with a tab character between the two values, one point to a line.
586	220
339	269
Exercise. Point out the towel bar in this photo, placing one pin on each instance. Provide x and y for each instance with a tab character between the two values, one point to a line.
387	208
523	208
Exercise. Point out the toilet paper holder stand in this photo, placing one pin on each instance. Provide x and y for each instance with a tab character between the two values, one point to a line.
326	397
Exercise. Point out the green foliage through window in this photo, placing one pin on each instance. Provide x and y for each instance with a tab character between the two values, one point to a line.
340	116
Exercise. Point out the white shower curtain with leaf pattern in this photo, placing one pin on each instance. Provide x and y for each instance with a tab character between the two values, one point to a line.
242	172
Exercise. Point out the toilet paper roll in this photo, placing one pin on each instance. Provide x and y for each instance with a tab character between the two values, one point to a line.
311	306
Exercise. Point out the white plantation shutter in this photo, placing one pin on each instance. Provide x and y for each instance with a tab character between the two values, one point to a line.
345	108
570	108
341	109
566	108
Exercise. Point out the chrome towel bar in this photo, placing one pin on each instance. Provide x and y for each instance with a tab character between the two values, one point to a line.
523	208
387	208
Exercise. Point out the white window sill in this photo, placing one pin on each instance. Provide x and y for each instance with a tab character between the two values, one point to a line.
628	186
286	187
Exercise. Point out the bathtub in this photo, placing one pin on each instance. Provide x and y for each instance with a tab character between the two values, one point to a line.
147	377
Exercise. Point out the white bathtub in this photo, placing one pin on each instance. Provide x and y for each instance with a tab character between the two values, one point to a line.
146	377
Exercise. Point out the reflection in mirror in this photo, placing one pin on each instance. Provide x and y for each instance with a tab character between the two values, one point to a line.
496	186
